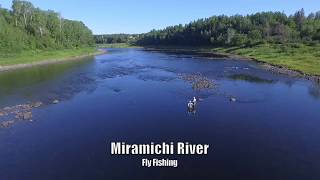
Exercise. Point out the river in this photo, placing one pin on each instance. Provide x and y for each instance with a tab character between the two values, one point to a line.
259	125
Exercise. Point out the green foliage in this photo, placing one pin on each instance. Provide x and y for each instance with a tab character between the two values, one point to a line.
238	39
115	38
272	27
254	37
28	28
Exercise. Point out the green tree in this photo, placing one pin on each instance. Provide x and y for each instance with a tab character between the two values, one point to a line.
26	27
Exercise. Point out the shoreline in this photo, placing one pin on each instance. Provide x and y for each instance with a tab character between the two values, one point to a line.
278	69
117	45
49	61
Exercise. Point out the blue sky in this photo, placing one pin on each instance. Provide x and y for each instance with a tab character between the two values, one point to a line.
138	16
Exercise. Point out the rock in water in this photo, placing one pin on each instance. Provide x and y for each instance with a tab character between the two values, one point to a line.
2	114
7	108
27	115
232	99
56	101
198	81
37	104
6	124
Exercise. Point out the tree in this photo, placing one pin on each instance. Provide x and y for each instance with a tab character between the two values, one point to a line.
299	18
230	35
26	27
317	15
239	40
235	30
254	36
22	11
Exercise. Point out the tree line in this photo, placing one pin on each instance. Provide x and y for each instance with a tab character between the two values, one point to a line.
270	27
115	38
25	27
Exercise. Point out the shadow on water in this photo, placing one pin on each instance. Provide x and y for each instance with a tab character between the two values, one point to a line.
250	78
187	53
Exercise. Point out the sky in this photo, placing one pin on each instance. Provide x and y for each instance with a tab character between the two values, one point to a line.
139	16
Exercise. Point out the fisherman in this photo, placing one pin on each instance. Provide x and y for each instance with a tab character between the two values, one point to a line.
194	101
190	105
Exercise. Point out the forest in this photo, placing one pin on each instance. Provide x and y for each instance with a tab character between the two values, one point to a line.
25	27
115	38
239	30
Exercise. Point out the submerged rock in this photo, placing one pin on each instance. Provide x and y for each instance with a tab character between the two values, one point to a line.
198	81
27	115
233	99
24	115
36	104
15	109
117	90
19	112
7	108
202	84
6	124
2	113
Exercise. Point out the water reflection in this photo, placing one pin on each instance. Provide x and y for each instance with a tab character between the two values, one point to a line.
250	78
314	90
46	83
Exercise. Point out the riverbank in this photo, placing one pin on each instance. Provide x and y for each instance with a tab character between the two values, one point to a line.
292	59
299	57
34	58
117	45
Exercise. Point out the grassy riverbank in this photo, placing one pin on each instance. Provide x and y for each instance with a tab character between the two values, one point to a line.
299	57
30	57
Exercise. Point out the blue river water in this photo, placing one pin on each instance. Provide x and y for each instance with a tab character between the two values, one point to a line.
270	131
